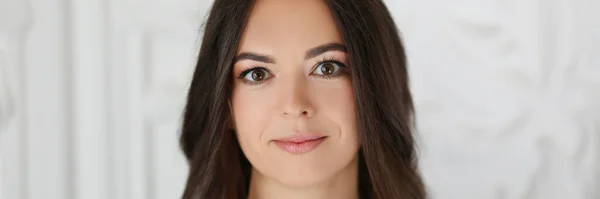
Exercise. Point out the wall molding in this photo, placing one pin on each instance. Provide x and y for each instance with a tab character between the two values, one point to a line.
15	21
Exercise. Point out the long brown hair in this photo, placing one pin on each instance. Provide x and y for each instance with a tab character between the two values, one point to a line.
384	108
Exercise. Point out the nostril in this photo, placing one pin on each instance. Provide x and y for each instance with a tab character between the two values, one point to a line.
305	113
296	113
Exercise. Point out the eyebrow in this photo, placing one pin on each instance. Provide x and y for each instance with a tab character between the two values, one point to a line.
255	57
313	52
316	51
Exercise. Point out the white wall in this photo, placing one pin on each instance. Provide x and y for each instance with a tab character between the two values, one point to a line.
507	95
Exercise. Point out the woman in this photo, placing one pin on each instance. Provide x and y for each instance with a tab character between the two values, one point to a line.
300	99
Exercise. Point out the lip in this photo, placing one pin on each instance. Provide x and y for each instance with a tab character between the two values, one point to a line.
300	143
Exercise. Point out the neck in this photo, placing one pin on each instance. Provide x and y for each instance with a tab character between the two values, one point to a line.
342	185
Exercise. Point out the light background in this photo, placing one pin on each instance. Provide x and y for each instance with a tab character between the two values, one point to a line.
91	91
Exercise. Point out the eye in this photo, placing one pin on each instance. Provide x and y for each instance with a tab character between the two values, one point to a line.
255	75
329	68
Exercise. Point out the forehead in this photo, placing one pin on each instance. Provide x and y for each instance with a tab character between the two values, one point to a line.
281	27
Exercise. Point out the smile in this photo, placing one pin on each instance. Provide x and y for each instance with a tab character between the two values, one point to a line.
299	144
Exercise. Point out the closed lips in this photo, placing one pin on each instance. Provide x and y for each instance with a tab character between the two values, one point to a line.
299	139
299	144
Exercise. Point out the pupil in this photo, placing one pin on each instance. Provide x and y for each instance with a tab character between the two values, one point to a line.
327	69
258	75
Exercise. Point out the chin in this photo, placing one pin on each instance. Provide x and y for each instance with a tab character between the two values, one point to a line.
302	172
302	180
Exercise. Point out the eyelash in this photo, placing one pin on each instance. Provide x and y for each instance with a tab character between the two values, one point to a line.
343	70
245	72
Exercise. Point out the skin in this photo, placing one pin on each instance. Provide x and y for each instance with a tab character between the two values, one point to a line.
295	95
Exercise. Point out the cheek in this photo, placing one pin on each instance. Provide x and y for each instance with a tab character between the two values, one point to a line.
250	115
337	103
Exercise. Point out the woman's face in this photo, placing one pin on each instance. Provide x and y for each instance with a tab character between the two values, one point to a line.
292	100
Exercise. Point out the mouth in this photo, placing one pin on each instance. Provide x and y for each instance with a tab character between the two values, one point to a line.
299	144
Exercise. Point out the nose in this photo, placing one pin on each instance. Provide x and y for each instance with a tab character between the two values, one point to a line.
295	98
